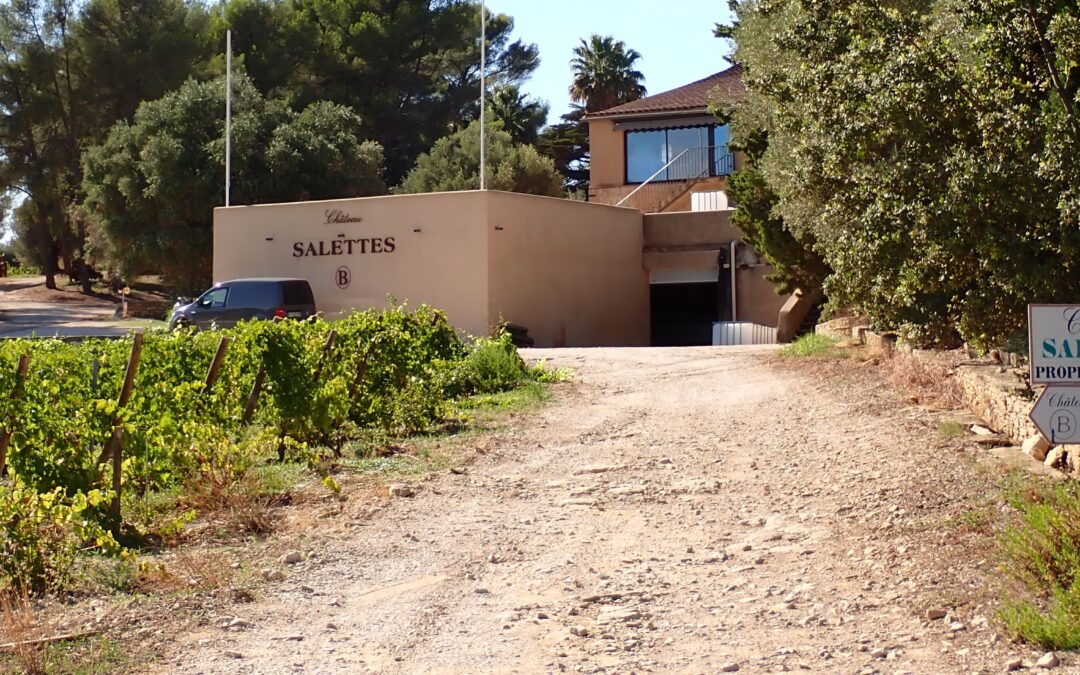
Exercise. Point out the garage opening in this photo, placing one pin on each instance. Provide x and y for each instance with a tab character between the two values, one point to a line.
685	303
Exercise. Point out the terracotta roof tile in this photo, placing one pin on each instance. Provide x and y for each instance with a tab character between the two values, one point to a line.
692	97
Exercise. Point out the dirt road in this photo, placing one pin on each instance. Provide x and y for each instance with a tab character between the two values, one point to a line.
28	309
672	510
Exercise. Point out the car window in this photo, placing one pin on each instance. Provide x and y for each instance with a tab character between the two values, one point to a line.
252	296
215	297
298	293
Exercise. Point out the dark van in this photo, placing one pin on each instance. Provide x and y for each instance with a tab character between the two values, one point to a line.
231	301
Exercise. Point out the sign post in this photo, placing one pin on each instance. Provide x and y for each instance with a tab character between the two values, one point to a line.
1054	356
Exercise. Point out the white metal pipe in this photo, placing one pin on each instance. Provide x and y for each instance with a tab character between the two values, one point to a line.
734	288
228	115
483	88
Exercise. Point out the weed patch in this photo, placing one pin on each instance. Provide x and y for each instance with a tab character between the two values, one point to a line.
973	520
1041	556
528	396
811	345
91	656
949	429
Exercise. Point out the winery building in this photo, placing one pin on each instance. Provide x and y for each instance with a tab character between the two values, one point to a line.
651	259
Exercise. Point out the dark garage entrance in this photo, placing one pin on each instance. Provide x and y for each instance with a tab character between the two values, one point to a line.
685	304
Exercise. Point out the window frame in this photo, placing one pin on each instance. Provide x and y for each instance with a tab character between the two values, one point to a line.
712	159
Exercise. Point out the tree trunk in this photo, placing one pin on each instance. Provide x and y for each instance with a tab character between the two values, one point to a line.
45	246
66	261
84	267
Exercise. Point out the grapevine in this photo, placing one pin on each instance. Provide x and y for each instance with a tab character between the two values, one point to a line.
394	370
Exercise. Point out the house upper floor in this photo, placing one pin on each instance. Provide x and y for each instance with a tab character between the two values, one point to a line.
653	153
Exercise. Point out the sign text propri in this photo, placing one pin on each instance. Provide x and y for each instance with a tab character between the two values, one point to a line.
1054	343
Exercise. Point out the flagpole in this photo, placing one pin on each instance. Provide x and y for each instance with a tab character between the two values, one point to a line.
228	115
483	88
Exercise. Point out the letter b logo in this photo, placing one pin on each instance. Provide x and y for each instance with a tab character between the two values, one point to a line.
344	277
1063	426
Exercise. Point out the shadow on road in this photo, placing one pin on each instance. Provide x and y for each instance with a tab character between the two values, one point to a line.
14	285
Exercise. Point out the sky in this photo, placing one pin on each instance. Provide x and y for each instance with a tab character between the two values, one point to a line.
674	37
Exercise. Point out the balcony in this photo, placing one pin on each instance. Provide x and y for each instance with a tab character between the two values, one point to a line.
694	164
672	180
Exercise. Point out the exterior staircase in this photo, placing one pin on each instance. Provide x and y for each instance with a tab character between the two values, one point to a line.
799	314
810	321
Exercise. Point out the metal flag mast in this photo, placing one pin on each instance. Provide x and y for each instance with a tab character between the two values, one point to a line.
483	88
228	114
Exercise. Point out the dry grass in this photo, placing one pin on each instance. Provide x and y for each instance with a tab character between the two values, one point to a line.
203	570
924	380
190	569
236	503
19	627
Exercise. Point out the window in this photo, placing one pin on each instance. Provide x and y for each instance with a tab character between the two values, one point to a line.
723	161
646	152
696	151
248	295
215	297
298	293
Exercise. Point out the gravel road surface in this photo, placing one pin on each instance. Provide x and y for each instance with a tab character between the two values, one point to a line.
671	510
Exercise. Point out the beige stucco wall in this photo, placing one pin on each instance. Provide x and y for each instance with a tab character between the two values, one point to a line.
689	228
684	202
439	241
757	298
568	271
606	156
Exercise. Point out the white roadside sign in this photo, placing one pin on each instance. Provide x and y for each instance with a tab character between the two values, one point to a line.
1057	414
1054	343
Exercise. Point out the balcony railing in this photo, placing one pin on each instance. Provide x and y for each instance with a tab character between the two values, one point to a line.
673	179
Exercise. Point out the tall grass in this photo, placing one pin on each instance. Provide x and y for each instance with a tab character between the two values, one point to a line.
1041	555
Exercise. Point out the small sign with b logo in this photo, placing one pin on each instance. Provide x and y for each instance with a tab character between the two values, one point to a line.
343	277
1056	414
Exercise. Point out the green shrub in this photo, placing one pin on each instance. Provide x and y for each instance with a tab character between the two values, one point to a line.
492	365
393	371
23	271
1053	624
415	407
1041	554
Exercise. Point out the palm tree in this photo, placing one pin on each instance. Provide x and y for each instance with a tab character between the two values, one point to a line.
521	116
604	74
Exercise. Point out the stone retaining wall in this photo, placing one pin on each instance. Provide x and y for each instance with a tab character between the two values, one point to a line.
995	393
1000	398
839	328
